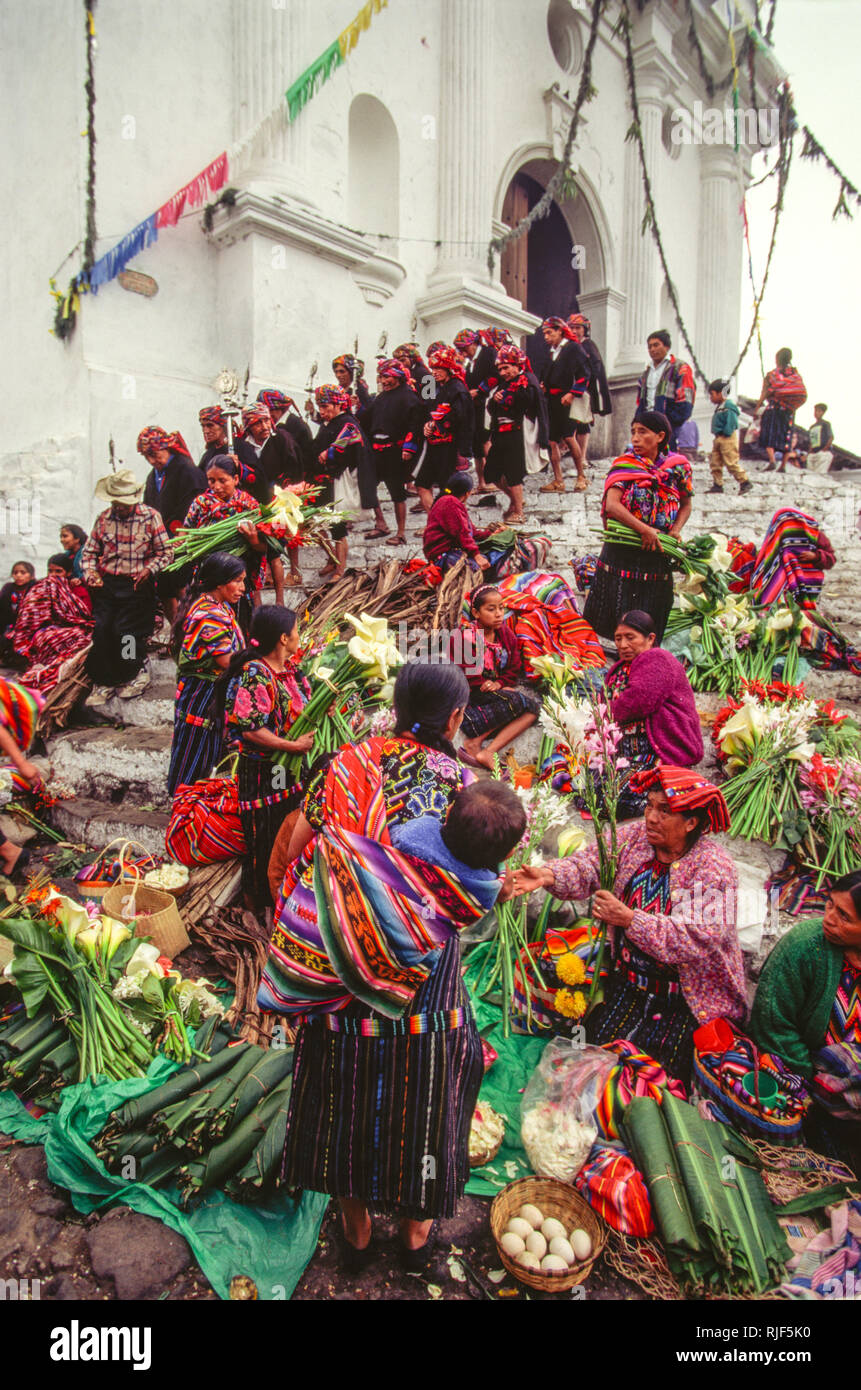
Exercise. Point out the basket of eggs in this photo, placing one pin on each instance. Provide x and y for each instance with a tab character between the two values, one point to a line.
547	1236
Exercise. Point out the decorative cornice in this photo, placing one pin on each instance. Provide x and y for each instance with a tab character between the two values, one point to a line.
471	299
285	222
379	277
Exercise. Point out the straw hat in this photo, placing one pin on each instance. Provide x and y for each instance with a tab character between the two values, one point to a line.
119	487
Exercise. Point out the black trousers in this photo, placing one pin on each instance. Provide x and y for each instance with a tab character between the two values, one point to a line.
125	620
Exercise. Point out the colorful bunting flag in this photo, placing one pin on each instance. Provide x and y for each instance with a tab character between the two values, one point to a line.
215	175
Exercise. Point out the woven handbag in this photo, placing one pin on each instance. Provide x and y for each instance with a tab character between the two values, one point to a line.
719	1074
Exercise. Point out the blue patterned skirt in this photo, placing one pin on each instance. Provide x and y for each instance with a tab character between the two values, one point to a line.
645	1004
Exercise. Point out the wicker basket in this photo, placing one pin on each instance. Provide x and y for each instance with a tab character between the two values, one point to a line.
553	1198
163	924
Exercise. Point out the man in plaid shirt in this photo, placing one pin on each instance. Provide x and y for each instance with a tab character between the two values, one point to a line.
127	546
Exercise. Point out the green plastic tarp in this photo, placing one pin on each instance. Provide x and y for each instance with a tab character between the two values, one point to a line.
271	1243
502	1089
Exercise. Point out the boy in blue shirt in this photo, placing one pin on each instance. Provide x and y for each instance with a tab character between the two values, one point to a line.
725	431
483	826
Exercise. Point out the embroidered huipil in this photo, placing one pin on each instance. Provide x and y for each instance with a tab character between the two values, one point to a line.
698	935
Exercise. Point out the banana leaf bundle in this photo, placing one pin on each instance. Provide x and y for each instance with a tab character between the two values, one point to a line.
221	1123
716	1221
232	1153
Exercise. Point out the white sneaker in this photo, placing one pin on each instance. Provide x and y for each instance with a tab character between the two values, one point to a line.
99	695
135	687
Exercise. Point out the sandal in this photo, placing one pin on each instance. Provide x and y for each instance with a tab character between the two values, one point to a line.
581	485
396	540
414	511
515	520
354	1260
417	1261
375	533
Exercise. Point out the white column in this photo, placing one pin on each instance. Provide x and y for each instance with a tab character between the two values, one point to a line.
719	262
466	192
271	48
640	261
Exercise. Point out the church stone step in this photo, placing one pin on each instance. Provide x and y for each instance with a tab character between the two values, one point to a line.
89	822
114	766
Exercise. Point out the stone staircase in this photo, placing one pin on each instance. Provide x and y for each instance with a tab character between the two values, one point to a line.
119	774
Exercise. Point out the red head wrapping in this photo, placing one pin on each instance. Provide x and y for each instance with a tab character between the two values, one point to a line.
275	401
389	366
511	356
211	415
446	359
410	350
466	338
686	791
554	322
331	394
154	437
496	338
255	411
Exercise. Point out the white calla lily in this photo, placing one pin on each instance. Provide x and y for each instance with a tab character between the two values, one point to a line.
779	620
288	509
570	840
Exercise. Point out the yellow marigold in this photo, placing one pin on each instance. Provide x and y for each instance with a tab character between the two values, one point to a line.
570	969
569	1005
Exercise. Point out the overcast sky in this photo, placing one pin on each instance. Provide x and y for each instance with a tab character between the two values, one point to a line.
813	298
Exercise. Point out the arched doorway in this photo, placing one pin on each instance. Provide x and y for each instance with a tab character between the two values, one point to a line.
539	269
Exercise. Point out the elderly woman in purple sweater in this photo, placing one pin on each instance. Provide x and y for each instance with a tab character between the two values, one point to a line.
675	955
651	698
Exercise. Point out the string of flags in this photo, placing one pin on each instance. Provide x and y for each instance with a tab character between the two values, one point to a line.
230	162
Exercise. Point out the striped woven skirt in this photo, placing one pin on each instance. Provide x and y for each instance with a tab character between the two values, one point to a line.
197	735
381	1109
626	578
494	709
644	1003
263	807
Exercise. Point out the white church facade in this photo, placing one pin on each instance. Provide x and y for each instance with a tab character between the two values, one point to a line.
364	223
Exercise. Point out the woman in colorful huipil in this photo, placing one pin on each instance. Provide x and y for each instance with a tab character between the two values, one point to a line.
498	708
376	1091
264	693
675	959
510	404
20	708
648	490
652	701
783	390
206	635
224	497
807	1010
55	622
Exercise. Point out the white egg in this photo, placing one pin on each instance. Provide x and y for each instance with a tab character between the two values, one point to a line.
561	1247
553	1264
551	1228
528	1260
518	1227
537	1244
512	1245
531	1214
581	1244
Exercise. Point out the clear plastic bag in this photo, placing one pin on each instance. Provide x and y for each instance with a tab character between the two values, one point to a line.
557	1111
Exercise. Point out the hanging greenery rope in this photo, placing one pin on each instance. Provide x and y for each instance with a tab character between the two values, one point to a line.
709	82
650	217
770	30
813	150
89	253
66	304
585	93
